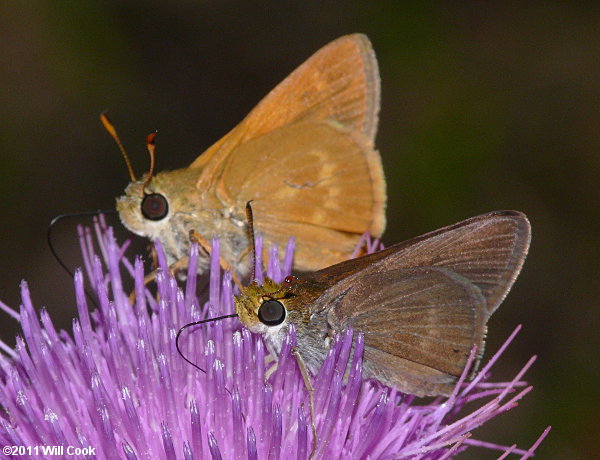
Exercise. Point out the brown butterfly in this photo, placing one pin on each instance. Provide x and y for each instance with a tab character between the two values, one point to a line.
422	305
305	156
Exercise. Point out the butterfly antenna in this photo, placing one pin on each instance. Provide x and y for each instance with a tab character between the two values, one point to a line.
196	323
113	132
250	219
151	146
51	226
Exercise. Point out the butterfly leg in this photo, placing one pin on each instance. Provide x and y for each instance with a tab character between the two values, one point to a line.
311	402
270	371
195	237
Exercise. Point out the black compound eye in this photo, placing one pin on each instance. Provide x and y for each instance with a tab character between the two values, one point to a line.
155	206
271	313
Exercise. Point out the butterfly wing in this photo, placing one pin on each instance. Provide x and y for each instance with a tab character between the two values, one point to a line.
305	145
489	250
339	82
315	179
423	304
419	325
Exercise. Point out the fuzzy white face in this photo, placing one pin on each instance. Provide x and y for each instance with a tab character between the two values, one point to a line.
167	208
260	308
144	212
267	310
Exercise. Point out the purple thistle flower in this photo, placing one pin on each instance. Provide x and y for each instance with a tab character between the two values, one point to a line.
118	385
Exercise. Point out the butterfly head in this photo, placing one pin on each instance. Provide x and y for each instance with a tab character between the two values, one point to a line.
267	309
147	207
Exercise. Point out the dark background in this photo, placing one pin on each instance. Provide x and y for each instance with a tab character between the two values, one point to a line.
483	108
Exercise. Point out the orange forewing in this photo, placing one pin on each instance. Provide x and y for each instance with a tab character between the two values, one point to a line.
305	156
339	82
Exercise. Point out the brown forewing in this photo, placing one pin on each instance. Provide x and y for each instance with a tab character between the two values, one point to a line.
488	250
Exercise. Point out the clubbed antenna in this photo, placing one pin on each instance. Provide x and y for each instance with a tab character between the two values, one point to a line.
151	146
113	132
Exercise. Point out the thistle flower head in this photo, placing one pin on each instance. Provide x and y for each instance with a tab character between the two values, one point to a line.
117	384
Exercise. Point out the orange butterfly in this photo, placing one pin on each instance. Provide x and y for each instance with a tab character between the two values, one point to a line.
304	155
